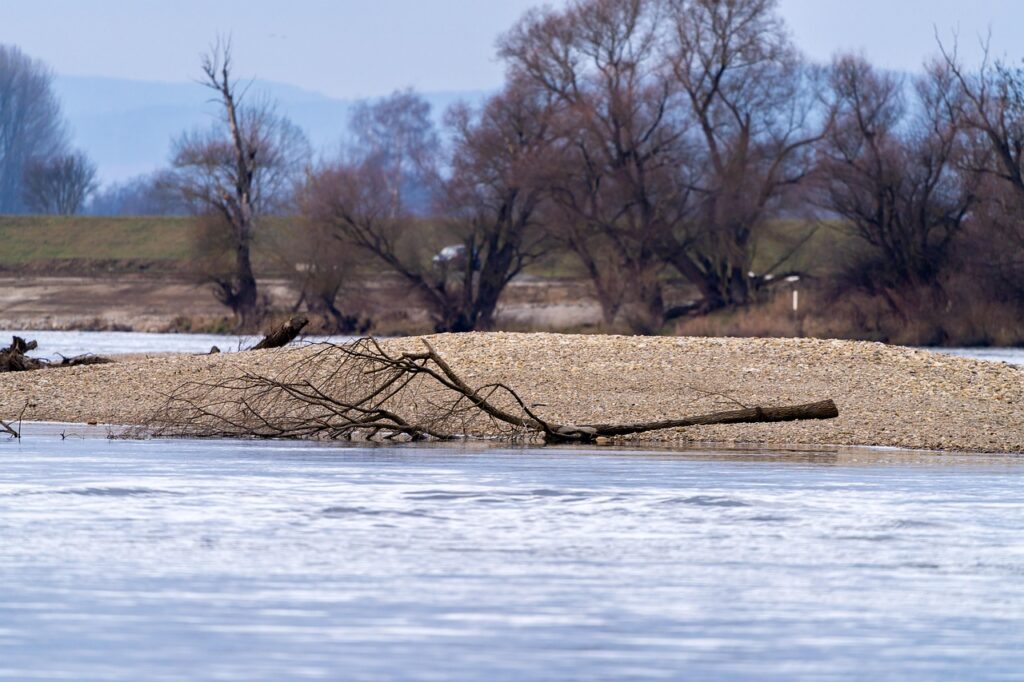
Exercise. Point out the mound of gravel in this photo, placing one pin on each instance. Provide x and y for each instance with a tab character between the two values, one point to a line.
887	395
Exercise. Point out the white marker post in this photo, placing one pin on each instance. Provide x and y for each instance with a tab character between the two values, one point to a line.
793	279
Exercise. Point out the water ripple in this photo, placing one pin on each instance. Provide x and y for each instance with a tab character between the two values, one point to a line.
270	561
341	511
113	492
707	501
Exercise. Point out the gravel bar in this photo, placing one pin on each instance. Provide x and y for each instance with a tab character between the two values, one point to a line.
887	395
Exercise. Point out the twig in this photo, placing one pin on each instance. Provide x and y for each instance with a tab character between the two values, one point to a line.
10	430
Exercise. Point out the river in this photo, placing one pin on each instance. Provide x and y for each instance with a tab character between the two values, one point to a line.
240	560
165	560
53	344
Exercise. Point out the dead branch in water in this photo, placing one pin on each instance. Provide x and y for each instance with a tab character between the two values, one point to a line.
10	430
360	390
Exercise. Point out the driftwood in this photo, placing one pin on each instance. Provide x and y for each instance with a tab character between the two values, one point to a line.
360	390
79	360
9	429
14	358
823	409
283	334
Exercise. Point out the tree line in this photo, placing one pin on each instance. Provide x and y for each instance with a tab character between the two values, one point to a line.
39	170
644	140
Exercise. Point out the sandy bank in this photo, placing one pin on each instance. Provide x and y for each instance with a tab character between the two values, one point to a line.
886	395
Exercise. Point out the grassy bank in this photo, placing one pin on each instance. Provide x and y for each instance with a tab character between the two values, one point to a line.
115	245
165	250
37	241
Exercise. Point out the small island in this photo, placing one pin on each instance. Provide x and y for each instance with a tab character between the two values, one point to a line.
887	395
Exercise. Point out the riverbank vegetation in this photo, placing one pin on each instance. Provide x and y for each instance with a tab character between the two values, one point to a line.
679	156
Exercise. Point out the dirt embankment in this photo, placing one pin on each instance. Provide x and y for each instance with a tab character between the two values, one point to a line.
147	303
887	395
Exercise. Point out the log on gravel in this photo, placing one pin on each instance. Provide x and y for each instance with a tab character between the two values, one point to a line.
824	409
283	334
80	360
13	358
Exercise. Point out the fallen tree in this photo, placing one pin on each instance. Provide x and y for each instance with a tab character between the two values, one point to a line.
14	358
360	390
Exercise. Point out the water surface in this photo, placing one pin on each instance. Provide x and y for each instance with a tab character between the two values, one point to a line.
169	560
52	344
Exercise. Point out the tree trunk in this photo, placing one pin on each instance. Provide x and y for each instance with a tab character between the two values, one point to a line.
283	334
825	409
245	292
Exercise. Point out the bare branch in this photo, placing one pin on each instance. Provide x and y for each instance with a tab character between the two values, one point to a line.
360	390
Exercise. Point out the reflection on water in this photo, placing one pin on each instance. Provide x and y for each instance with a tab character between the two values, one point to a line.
242	560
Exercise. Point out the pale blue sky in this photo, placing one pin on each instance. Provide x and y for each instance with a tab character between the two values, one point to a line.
354	48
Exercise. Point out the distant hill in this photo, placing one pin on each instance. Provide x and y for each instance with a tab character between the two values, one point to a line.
127	126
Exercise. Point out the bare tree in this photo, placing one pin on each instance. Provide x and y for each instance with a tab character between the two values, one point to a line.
239	169
149	194
604	61
31	125
489	200
989	103
892	176
687	124
363	199
496	191
60	184
326	273
397	134
754	119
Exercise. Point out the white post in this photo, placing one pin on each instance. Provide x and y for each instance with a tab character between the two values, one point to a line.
796	300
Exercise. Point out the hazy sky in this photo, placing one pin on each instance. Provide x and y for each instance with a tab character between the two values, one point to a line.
352	48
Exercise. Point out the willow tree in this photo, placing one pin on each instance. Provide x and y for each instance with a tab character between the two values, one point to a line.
989	104
687	126
605	64
493	197
889	170
457	252
754	119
